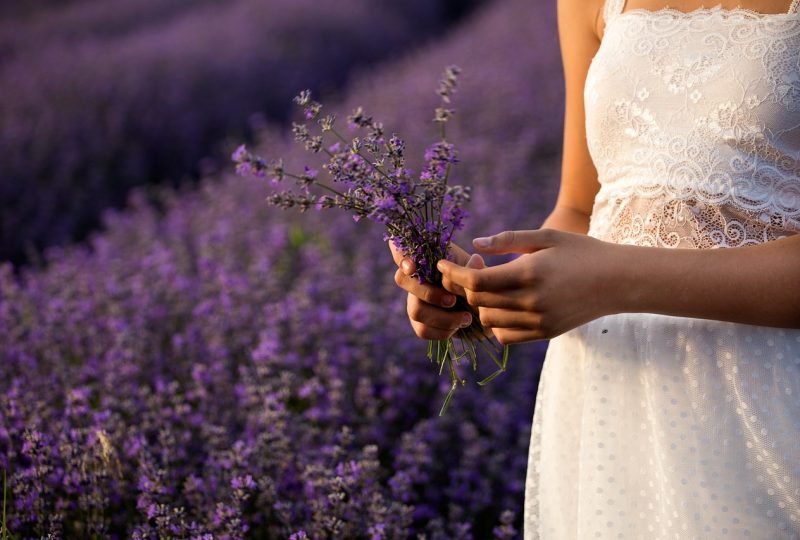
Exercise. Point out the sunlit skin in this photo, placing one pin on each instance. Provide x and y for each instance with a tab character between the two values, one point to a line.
563	278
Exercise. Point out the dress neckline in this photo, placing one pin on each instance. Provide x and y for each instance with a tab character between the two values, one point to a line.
717	12
737	13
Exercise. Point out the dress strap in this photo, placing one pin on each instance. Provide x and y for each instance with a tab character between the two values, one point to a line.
795	6
612	8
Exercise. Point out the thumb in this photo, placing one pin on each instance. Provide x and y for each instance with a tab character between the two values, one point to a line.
515	241
476	261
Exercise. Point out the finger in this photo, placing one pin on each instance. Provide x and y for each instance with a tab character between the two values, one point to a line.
510	336
507	300
397	255
435	317
513	299
427	332
406	263
475	261
516	241
500	277
506	318
453	288
424	291
458	255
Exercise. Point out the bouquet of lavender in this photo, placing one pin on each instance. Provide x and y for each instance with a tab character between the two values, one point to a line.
369	179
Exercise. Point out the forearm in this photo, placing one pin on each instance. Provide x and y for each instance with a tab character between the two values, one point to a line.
757	285
564	218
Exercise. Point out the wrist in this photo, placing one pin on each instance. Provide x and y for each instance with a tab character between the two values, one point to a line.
624	282
650	280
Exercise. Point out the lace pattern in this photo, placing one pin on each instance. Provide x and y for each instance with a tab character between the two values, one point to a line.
612	8
693	123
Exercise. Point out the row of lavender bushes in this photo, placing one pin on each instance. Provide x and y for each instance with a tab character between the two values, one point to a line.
100	96
218	369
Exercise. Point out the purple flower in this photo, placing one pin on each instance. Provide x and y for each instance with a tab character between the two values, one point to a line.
243	483
239	154
244	169
377	531
385	202
421	214
310	174
192	328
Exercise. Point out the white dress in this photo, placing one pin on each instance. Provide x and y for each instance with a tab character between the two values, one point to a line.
654	427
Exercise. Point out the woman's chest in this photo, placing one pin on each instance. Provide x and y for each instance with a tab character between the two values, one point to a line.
730	78
701	58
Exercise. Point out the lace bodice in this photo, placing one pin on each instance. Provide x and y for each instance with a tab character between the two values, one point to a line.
693	123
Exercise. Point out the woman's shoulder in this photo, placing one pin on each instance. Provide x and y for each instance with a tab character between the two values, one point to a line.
582	13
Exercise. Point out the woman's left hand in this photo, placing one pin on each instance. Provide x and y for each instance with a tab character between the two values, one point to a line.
562	280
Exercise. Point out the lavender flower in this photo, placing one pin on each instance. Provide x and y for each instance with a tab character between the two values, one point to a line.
101	97
420	213
209	340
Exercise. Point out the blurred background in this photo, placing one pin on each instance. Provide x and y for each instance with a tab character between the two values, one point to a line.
99	97
177	359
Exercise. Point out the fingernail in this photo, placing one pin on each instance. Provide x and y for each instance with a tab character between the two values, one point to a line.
466	320
448	300
440	266
482	242
406	267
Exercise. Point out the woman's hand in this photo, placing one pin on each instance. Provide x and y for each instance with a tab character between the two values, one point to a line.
561	281
428	305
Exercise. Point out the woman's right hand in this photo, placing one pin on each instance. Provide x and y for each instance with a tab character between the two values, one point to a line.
427	305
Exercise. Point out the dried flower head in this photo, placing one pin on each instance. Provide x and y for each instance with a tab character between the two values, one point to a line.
447	86
421	213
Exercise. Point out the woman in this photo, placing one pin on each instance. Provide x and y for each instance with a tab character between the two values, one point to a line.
669	403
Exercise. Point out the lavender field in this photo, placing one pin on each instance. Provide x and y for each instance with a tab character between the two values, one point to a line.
209	367
102	96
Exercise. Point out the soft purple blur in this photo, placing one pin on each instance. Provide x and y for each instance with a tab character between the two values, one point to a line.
209	367
99	96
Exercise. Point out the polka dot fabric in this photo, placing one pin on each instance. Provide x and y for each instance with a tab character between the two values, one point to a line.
648	426
656	427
